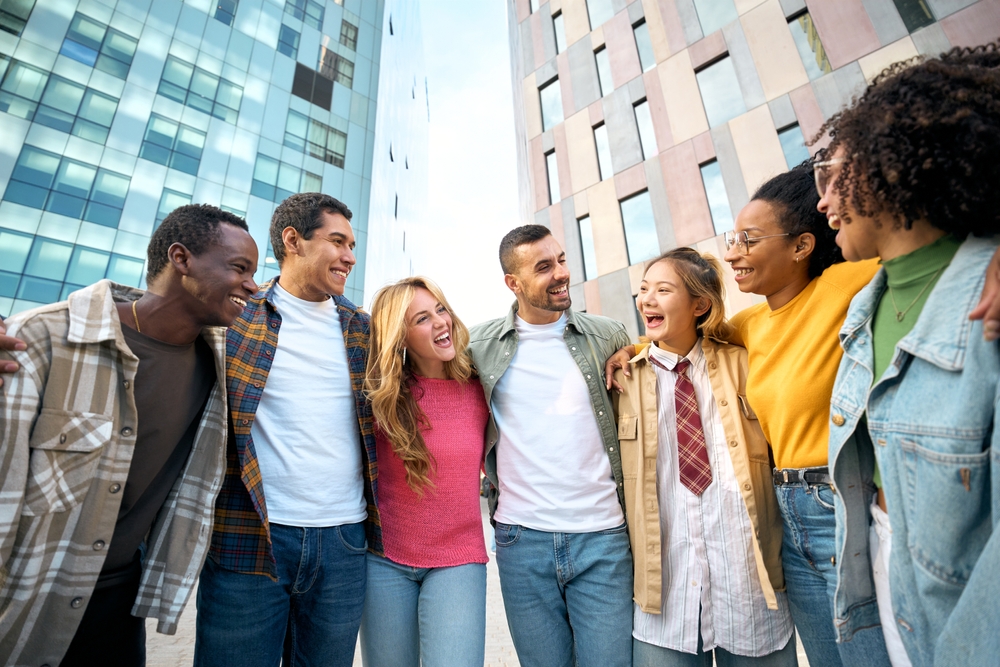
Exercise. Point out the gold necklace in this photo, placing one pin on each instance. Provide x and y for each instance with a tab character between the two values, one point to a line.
901	314
135	317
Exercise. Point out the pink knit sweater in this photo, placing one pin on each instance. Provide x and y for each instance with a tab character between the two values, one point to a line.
444	528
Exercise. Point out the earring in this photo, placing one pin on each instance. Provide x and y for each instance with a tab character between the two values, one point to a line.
797	259
404	356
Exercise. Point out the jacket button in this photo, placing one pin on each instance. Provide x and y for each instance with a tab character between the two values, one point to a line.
115	488
246	421
601	413
881	442
723	402
126	384
838	420
76	603
126	431
491	377
713	365
62	438
573	348
746	485
733	443
833	560
98	545
256	385
588	377
506	354
611	449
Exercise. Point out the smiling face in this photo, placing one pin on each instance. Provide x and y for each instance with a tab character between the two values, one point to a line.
317	267
428	339
857	235
668	309
220	279
541	281
770	265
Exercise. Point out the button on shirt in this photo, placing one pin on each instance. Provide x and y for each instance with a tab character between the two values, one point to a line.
708	559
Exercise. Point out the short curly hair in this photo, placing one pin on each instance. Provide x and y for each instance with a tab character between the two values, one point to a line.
923	142
793	194
302	212
194	226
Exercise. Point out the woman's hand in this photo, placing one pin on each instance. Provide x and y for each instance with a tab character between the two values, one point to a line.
618	360
988	309
10	344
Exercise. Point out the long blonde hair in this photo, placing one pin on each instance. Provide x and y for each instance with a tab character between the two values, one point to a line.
389	380
702	277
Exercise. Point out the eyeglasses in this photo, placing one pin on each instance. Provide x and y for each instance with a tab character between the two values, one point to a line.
742	240
822	174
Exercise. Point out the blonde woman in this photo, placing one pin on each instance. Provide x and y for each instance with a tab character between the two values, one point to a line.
426	598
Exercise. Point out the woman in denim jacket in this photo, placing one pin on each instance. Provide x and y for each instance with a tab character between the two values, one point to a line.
913	179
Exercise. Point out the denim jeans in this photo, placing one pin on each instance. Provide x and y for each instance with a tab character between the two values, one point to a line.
309	617
807	552
568	596
648	655
435	617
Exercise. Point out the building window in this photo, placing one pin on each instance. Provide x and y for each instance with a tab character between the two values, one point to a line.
644	45
647	136
51	100
534	6
172	144
349	35
169	200
604	71
793	145
640	228
603	151
718	200
713	14
14	15
587	246
276	181
200	89
95	44
720	91
225	11
915	14
288	42
50	182
551	99
312	86
560	29
309	12
599	11
315	138
552	169
337	67
809	45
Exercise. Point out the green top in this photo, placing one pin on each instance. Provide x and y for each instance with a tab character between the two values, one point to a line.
910	279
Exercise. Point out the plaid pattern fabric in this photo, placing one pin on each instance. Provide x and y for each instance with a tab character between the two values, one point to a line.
242	538
692	452
67	434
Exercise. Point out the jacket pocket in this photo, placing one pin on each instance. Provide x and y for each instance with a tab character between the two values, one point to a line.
628	427
65	449
757	448
948	498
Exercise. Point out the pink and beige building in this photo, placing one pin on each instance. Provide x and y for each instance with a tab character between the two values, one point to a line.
644	125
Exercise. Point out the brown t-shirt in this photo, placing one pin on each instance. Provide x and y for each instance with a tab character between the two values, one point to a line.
171	388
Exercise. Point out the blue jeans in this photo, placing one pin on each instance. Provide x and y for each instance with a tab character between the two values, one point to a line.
309	617
435	617
807	552
568	596
649	655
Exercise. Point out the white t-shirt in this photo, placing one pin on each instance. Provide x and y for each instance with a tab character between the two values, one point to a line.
554	473
306	427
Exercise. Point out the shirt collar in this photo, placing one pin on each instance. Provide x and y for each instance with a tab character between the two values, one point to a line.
93	317
670	359
508	323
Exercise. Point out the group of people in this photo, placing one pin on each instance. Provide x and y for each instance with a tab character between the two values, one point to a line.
823	461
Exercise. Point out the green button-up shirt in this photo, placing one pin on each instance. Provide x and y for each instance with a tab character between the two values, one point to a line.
591	339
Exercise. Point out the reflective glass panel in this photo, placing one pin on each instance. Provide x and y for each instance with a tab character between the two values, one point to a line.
38	290
349	35
640	228
98	108
110	188
604	71
915	14
809	45
288	42
718	200
647	135
645	46
190	141
124	270
552	169
560	29
13	251
36	166
720	91
87	266
177	72
587	246
793	144
48	259
86	31
75	178
161	131
603	151
599	11
25	81
551	100
713	14
266	170
311	182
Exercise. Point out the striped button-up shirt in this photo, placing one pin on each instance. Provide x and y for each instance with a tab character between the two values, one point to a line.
67	434
242	539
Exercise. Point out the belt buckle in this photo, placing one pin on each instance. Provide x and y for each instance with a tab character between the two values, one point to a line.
784	474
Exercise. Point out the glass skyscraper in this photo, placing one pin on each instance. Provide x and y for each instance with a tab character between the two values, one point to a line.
114	112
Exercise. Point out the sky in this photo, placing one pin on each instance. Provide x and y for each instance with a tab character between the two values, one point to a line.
472	196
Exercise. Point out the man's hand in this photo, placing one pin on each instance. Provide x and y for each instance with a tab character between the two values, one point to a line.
10	344
988	308
618	360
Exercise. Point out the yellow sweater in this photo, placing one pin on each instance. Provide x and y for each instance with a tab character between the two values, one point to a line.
794	353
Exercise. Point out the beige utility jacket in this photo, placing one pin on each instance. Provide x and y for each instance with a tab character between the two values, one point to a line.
636	410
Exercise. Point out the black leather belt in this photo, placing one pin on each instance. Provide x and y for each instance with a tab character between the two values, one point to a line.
788	476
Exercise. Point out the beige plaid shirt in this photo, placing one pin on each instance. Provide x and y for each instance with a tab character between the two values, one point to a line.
67	433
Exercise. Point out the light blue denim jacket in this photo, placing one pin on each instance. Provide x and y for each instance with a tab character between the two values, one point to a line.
931	417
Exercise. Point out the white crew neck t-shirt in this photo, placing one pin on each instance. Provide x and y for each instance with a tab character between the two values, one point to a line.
305	431
554	473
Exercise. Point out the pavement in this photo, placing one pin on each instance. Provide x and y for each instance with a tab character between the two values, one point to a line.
178	650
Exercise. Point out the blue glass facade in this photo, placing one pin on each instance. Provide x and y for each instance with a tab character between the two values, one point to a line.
114	112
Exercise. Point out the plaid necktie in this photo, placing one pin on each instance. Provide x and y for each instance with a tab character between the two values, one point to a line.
692	453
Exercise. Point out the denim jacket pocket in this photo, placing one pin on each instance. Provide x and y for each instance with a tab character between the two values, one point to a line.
948	510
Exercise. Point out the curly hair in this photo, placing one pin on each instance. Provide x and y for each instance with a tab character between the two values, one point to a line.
923	142
302	212
194	226
793	194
